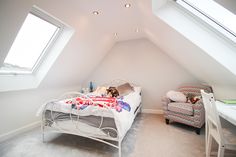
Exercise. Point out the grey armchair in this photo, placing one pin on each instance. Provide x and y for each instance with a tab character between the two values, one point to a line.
186	113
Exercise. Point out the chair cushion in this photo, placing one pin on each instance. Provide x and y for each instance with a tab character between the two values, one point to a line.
176	96
183	108
194	90
125	89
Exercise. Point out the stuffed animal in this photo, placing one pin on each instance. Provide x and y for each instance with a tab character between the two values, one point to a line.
112	92
192	99
100	91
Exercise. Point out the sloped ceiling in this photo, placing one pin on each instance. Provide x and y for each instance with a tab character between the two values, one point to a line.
184	51
94	37
92	40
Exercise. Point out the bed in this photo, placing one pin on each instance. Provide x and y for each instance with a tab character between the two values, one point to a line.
98	117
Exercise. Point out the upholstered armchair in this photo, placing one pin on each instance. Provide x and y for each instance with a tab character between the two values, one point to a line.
186	112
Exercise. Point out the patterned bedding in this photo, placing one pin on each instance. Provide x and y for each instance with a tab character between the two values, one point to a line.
117	112
81	103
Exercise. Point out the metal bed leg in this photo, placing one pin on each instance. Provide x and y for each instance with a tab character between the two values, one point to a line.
43	137
42	129
119	143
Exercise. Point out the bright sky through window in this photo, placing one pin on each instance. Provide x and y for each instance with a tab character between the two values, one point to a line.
215	12
30	43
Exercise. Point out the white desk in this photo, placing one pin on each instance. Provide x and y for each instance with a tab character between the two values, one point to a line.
227	111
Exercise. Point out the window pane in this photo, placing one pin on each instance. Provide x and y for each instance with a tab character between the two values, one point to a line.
30	43
214	14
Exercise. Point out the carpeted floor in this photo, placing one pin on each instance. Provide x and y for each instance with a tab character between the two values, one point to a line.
149	136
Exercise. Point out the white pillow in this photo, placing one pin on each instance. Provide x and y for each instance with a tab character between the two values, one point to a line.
137	89
100	91
176	96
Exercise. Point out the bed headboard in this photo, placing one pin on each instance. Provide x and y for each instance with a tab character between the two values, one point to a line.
117	82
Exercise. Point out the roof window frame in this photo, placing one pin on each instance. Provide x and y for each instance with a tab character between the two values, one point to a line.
60	26
210	21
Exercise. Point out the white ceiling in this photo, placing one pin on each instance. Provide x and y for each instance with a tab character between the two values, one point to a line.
94	37
190	54
94	34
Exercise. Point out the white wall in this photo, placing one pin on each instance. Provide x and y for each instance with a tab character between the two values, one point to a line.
76	52
223	91
165	34
229	4
141	62
91	41
19	108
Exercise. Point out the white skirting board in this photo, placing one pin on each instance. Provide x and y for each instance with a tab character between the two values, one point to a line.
28	127
23	129
152	111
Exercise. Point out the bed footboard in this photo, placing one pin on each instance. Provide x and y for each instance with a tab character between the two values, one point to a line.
97	127
101	127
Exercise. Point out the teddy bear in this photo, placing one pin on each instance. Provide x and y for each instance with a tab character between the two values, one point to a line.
112	92
192	99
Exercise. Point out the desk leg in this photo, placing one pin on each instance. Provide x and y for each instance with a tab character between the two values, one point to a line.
206	136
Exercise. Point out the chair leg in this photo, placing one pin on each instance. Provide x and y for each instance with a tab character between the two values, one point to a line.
209	144
167	121
206	136
221	151
198	130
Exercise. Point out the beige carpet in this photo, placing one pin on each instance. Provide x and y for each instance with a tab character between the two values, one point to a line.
149	136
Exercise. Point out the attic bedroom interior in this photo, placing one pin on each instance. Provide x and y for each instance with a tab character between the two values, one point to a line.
118	78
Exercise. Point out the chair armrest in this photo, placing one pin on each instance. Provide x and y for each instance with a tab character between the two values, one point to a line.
165	101
199	114
198	108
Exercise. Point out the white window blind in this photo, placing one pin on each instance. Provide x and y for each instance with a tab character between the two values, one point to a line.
214	14
31	43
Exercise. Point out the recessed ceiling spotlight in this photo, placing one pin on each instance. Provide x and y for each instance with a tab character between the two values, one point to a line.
127	5
95	12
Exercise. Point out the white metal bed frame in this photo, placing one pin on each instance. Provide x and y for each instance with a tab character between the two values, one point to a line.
103	139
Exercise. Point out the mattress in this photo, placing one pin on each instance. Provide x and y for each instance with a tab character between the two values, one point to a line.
61	115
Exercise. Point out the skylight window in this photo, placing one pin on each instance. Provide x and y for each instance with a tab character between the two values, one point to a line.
214	14
32	41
